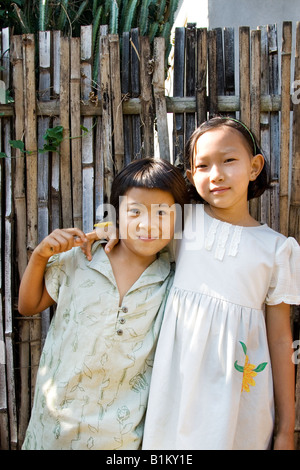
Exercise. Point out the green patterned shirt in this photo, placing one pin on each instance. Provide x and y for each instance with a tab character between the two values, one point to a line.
95	369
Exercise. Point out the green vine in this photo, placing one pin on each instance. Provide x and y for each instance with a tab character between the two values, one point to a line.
53	138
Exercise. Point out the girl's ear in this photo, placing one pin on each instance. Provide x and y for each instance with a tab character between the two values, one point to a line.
189	175
257	164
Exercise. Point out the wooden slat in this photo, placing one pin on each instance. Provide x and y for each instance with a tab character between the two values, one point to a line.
126	88
55	194
265	119
116	98
4	413
147	104
229	61
201	92
255	92
43	158
285	126
178	91
31	185
294	220
190	75
212	73
87	148
76	132
244	72
135	91
159	96
8	254
65	157
20	237
106	115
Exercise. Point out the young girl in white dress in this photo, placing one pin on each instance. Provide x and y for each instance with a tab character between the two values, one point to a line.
225	347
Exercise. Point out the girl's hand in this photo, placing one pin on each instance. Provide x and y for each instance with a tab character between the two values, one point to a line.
109	233
60	240
284	441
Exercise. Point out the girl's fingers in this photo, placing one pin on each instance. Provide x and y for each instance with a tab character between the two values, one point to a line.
64	240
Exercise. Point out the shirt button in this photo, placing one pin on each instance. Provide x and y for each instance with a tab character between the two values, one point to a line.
119	332
124	309
122	321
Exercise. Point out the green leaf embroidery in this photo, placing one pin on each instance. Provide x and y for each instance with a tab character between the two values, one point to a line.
244	347
238	368
260	367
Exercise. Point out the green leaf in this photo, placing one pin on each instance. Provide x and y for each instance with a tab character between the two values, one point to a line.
260	367
238	368
244	347
3	155
17	144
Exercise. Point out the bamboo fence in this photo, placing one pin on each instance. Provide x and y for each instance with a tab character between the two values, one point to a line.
109	123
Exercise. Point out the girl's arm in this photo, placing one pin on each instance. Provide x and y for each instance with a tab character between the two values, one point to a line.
280	345
33	295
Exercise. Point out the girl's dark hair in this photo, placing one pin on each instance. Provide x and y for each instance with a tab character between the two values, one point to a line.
150	173
256	188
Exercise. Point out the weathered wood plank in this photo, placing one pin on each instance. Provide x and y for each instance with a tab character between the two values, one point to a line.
201	91
244	71
285	126
147	103
76	132
65	161
178	91
294	219
159	96
116	98
87	147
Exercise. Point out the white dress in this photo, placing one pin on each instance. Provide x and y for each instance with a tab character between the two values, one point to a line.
212	384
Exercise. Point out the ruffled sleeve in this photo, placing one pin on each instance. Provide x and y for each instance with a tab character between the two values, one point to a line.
285	280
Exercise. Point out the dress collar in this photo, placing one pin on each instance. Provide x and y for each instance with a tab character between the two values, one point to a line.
156	272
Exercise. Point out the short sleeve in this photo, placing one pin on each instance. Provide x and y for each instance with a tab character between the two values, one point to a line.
285	280
56	275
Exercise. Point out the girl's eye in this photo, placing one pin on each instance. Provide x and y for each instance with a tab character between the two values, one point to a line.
134	211
161	212
201	166
229	160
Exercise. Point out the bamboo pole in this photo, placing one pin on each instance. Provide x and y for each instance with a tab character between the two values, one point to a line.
274	127
147	108
100	196
135	91
244	68
201	75
77	196
178	91
265	119
31	184
55	193
43	158
65	157
106	116
255	92
8	254
190	75
294	216
20	237
116	100
87	140
285	125
4	415
159	96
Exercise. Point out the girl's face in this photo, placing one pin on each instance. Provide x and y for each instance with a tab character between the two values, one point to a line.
146	220
223	167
